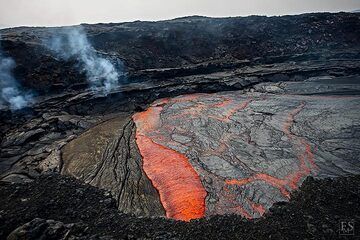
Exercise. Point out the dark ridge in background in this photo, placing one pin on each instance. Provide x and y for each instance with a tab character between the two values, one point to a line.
214	43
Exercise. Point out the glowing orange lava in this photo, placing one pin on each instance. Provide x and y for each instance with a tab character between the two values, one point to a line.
179	186
257	207
276	182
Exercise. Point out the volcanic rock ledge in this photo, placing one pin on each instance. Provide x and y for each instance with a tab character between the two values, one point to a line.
107	157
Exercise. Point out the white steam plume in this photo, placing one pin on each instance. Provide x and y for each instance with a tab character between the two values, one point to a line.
11	93
73	43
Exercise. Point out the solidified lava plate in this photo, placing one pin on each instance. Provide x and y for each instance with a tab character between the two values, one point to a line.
234	153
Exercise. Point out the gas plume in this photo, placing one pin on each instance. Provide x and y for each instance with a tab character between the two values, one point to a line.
73	43
12	95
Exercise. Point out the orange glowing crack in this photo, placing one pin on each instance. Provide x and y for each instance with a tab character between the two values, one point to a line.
292	180
242	212
180	189
230	112
305	158
238	208
273	181
309	153
223	103
290	120
257	207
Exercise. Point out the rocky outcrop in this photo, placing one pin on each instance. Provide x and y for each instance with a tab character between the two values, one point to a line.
43	229
34	146
107	157
314	211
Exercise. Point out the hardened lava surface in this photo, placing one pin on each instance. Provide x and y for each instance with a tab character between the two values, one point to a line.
239	153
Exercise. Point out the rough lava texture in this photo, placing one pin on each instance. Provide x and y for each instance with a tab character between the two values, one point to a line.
60	207
251	150
242	111
106	156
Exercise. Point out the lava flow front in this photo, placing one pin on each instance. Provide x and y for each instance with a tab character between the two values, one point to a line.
179	186
228	153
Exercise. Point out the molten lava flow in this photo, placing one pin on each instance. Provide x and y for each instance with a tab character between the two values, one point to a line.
179	186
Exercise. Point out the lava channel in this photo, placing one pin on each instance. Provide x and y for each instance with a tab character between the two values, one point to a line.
181	191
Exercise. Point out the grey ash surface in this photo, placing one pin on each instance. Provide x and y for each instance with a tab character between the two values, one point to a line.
84	212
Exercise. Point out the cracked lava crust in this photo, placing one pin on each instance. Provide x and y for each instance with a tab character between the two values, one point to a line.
233	153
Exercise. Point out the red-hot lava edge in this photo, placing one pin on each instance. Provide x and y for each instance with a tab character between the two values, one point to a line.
181	191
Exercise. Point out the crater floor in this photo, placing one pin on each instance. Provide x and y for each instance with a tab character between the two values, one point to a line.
201	154
236	153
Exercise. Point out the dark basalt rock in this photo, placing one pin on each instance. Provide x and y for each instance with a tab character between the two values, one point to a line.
36	68
42	229
315	211
187	46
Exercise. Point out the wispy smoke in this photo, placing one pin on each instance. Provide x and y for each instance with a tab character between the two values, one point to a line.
11	93
73	43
